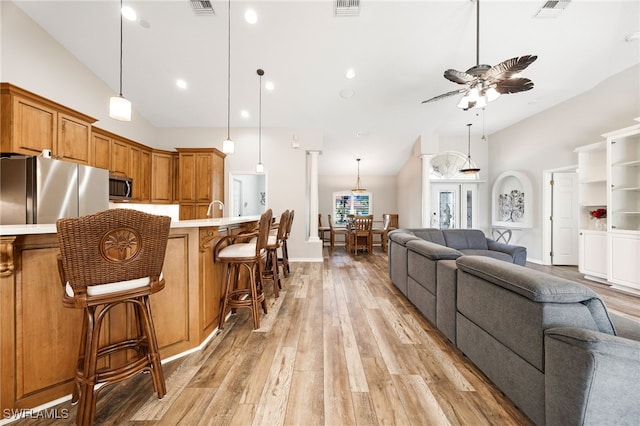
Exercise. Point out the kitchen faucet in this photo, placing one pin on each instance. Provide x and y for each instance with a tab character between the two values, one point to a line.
211	205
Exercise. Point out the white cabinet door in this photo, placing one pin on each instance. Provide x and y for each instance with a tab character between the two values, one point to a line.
624	259
593	253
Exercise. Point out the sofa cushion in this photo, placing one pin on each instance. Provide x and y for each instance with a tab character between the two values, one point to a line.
488	253
401	236
537	286
461	239
433	235
433	251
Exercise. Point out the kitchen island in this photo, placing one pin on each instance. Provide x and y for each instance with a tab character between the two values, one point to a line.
39	337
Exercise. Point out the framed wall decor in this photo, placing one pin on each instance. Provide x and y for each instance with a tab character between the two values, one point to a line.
512	201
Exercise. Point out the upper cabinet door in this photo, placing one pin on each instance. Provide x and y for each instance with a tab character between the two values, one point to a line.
34	127
101	156
120	157
74	140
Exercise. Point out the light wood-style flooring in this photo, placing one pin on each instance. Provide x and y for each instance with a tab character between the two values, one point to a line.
340	346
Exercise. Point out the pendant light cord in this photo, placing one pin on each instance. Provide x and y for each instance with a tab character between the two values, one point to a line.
478	32
260	73
229	74
469	145
120	48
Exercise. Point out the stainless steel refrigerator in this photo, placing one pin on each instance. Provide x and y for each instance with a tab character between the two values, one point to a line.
42	190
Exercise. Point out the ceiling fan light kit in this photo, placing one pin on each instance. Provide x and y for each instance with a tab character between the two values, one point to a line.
485	83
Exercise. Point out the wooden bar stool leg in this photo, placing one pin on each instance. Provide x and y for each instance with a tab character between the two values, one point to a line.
157	374
225	296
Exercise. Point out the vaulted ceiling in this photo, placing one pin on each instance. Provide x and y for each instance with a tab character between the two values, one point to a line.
398	50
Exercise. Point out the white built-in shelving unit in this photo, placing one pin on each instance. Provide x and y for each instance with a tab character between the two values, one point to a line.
609	176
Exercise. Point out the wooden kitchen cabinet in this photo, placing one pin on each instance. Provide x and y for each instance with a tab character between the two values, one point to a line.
140	172
162	176
101	146
31	123
120	158
200	181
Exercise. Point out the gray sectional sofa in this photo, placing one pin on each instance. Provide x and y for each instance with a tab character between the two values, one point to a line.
548	343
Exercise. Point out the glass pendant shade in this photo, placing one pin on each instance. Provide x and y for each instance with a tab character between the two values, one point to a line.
228	146
119	108
259	168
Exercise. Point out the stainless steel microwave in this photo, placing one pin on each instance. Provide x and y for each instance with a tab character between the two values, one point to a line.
120	188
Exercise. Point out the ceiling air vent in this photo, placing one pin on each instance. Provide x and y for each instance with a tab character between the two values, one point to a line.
552	9
346	7
202	7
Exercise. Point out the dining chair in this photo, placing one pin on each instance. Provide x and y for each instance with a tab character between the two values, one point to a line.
334	232
361	234
323	230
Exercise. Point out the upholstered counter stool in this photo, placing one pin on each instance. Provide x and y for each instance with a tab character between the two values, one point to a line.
283	260
275	242
107	259
239	251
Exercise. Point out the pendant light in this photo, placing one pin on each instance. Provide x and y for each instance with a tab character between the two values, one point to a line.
358	189
228	146
260	166
119	107
468	169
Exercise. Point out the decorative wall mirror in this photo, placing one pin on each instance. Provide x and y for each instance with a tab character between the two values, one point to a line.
247	194
512	201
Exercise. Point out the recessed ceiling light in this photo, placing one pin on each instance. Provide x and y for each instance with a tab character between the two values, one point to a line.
129	14
351	73
347	93
250	16
269	85
244	113
181	83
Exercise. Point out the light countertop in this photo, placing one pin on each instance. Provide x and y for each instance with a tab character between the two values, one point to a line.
50	228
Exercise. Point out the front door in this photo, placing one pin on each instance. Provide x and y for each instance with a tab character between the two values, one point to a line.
454	205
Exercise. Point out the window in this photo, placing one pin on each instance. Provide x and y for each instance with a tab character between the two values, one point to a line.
347	203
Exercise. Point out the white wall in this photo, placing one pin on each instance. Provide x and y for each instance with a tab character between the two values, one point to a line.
409	193
546	140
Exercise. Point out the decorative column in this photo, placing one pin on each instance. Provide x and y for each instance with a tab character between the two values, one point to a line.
426	189
313	195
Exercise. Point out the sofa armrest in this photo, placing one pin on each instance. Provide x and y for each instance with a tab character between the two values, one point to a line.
433	251
591	377
518	253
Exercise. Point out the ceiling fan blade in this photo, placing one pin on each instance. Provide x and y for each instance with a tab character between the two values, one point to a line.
510	67
458	76
446	95
514	85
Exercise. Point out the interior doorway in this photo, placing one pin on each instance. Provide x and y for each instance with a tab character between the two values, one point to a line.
560	234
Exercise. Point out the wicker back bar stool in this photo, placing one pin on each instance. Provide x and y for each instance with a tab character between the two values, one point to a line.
106	259
249	251
284	259
275	242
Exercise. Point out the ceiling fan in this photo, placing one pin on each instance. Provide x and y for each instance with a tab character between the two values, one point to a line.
485	83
